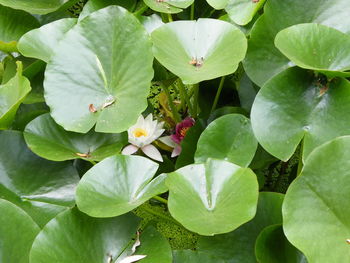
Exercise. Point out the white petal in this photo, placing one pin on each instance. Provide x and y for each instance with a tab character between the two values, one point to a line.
168	141
152	152
130	149
157	133
176	151
149	118
132	259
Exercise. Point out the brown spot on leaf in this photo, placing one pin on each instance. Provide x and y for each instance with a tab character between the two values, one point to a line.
92	108
348	241
196	62
84	155
255	1
323	90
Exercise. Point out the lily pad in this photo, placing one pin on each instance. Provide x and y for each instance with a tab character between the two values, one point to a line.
106	72
207	198
229	138
12	94
242	11
168	6
218	4
13	24
323	112
199	50
315	207
40	187
13	220
238	246
50	141
316	47
35	6
40	43
264	60
151	22
117	185
74	237
181	256
273	247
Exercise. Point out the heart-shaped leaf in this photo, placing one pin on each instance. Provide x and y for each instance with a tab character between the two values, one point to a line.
12	95
315	210
238	246
74	237
316	47
273	247
117	185
168	6
207	198
229	138
323	112
264	60
242	11
15	247
50	141
40	187
106	71
199	50
35	6
40	43
13	24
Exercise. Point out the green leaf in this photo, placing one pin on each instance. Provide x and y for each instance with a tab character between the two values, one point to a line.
50	141
117	185
323	112
13	24
238	246
12	95
199	50
264	60
17	232
40	187
181	256
273	247
35	6
106	71
315	210
242	11
228	138
40	43
74	237
207	198
218	4
94	5
316	47
151	23
168	6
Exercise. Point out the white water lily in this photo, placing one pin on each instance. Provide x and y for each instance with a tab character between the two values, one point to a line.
142	134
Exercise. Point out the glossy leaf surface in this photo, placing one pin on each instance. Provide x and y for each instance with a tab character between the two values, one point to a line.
181	256
35	6
168	6
242	11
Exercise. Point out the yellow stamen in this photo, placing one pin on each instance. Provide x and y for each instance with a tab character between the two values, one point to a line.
138	132
184	131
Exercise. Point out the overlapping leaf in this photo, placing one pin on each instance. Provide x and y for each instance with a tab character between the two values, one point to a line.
207	198
168	6
315	207
105	63
242	11
199	50
35	6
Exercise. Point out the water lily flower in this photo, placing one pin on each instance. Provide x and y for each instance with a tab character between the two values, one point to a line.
175	139
142	134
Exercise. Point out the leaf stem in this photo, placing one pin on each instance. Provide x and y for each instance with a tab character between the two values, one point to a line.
185	97
141	10
217	96
170	18
160	199
91	161
195	100
192	11
172	106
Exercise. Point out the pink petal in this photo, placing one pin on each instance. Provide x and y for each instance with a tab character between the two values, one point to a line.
152	152
130	149
176	151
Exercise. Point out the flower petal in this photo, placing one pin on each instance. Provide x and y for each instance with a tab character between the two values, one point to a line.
152	152
130	149
176	151
167	141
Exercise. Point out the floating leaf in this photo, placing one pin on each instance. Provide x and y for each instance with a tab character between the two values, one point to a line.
238	246
264	60
218	4
199	50
35	6
182	256
17	233
207	198
315	210
50	141
12	95
273	247
117	185
229	138
151	23
316	47
323	112
242	11
40	43
40	187
168	6
104	61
